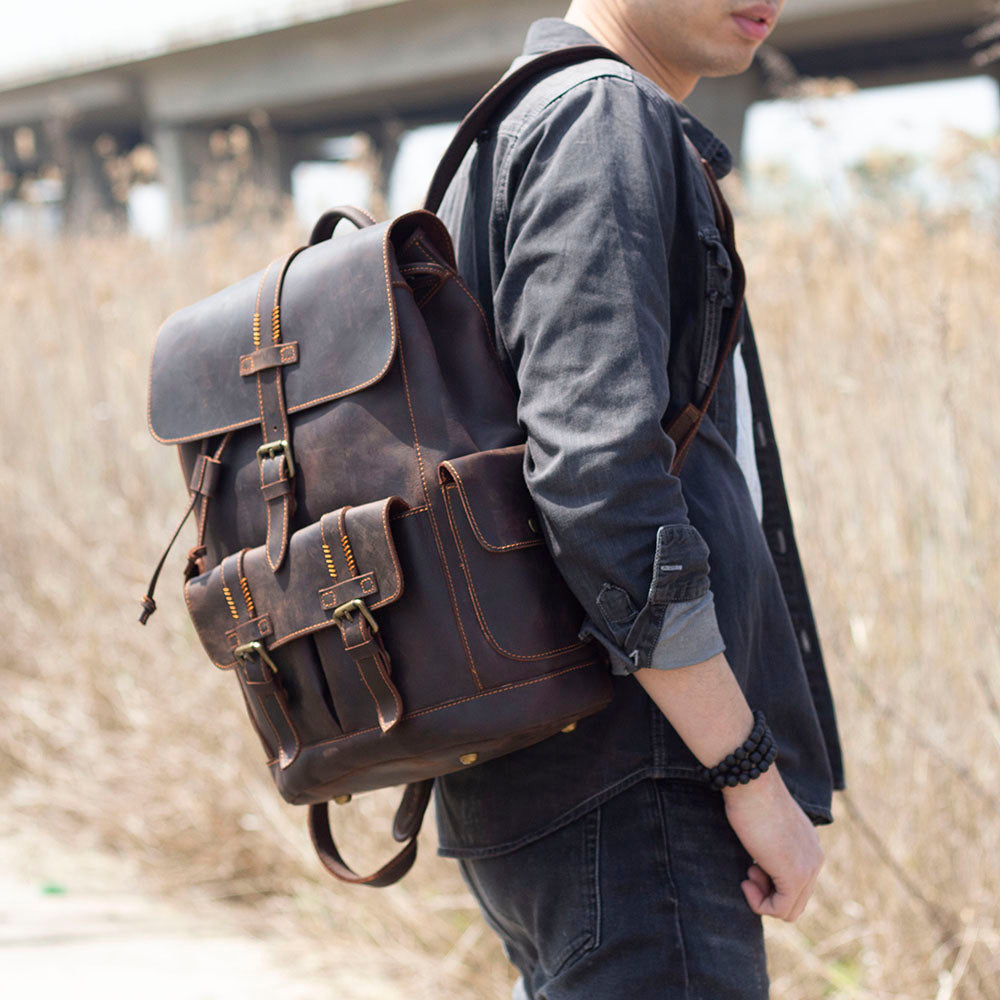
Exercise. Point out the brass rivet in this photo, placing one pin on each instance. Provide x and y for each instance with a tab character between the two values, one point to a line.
469	758
342	800
570	728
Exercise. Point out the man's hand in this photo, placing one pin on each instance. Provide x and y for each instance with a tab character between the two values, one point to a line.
705	705
780	838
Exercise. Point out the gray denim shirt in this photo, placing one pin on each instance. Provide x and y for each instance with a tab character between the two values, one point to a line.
584	225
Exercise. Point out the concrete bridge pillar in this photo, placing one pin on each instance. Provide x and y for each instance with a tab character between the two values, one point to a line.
722	104
87	192
8	166
182	153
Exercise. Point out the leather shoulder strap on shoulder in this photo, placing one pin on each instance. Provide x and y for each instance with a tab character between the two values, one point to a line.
478	118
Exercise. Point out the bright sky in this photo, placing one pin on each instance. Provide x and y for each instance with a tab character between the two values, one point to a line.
40	37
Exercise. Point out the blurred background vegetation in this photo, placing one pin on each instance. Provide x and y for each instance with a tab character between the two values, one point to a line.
877	313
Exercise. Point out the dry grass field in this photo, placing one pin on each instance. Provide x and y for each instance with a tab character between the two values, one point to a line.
881	339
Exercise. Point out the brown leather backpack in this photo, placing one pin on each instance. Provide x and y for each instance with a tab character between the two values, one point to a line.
368	561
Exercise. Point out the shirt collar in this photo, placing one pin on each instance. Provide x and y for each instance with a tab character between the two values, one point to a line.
554	33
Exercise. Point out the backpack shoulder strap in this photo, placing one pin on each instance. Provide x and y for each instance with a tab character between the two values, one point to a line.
479	117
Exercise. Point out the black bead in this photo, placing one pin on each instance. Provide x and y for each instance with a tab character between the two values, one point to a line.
739	753
764	766
719	782
706	774
755	757
749	745
732	781
744	779
730	761
745	765
755	772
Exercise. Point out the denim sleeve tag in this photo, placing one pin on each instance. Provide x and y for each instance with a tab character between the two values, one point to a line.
680	573
680	566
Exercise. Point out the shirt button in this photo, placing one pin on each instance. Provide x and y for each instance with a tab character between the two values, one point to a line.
761	433
780	542
805	643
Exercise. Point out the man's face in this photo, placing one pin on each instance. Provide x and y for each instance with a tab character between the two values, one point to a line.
703	37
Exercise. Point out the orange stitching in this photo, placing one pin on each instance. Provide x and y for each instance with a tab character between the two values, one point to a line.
467	505
458	701
422	509
227	593
264	712
349	554
246	596
328	556
190	607
437	535
466	569
276	325
256	314
457	278
391	545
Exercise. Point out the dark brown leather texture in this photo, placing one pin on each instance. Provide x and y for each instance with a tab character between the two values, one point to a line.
369	563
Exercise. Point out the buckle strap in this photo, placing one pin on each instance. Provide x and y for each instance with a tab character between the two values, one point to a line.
358	629
277	468
258	675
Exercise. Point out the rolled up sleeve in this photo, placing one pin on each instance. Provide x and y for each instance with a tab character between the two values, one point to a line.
582	310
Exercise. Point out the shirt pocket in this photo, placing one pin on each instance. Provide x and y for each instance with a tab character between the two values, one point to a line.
718	298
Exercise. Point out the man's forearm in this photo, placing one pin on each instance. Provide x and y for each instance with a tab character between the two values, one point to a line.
704	704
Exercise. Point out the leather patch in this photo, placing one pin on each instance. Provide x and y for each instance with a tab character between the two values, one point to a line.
270	356
252	631
340	593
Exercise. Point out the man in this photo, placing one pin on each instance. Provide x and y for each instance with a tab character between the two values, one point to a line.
585	225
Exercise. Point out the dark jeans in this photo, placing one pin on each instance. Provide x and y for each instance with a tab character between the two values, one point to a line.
639	898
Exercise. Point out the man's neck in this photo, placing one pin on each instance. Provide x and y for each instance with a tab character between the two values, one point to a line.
605	23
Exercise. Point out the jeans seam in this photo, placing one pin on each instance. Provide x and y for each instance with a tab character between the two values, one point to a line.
665	838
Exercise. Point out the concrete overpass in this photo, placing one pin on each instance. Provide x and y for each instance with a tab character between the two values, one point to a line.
381	66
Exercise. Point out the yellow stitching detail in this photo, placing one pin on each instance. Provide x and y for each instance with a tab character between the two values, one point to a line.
246	595
256	329
276	324
230	602
351	564
328	556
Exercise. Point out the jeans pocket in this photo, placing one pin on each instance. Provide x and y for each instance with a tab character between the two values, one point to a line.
542	899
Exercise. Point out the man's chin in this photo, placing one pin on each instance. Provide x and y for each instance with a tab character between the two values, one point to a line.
729	68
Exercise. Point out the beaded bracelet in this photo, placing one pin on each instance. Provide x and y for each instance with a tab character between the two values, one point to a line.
748	761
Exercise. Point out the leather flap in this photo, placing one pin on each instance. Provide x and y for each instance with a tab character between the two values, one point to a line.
235	603
337	303
494	497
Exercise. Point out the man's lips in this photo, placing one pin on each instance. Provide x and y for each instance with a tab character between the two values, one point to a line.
755	21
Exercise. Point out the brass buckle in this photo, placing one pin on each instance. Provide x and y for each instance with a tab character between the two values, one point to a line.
268	450
249	649
346	610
